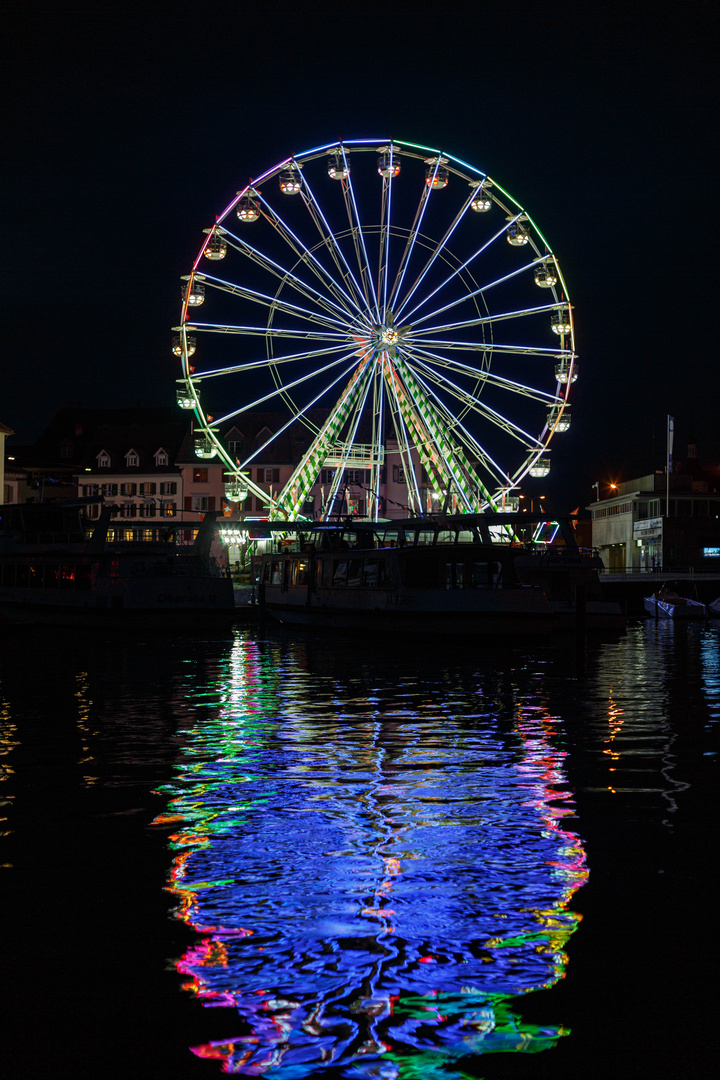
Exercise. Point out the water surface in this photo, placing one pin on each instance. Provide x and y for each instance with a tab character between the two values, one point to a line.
299	857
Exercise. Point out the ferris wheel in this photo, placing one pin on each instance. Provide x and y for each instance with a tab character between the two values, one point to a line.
392	307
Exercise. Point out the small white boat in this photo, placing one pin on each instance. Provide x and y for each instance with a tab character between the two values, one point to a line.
714	609
666	604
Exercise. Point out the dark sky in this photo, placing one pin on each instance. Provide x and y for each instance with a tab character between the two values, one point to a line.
129	127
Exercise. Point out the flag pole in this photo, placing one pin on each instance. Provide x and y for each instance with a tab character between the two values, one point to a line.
668	462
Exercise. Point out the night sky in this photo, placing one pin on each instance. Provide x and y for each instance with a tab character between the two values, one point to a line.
128	130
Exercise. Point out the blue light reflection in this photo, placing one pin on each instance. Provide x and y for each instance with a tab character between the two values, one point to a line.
374	877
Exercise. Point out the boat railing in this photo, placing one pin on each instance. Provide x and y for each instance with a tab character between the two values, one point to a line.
686	573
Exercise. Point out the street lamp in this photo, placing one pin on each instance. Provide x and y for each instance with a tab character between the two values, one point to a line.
596	485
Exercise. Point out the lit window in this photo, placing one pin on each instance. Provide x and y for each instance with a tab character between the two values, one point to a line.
200	476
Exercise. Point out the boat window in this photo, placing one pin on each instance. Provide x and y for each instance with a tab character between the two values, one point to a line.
299	574
23	572
275	572
485	574
370	572
447	536
454	573
51	577
36	577
340	573
355	572
83	576
425	536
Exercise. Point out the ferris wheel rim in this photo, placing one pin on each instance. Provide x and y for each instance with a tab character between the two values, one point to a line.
374	291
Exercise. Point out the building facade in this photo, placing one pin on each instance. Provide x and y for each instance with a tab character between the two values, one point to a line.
636	531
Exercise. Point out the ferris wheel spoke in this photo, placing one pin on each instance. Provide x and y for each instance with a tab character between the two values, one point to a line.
270	332
384	252
310	260
472	295
488	377
484	320
454	275
491	347
266	362
433	422
291	279
409	247
295	417
275	304
458	429
435	254
330	241
284	388
358	238
466	398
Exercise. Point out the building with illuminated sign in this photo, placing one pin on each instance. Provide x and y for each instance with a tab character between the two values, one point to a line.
634	530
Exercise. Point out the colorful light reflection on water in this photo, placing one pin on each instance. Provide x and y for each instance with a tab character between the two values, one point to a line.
376	874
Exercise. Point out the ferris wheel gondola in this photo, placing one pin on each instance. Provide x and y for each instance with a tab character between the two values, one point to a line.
387	298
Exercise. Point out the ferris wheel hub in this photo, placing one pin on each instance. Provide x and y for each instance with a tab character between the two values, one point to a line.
386	335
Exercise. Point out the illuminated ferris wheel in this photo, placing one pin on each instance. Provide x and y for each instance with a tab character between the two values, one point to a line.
399	307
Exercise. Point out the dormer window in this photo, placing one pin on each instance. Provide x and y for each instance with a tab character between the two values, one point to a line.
132	459
103	460
161	457
234	442
263	436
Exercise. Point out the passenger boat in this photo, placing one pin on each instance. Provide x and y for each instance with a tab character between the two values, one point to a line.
422	576
570	579
51	574
666	604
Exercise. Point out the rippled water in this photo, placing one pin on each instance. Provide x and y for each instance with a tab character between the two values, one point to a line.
387	861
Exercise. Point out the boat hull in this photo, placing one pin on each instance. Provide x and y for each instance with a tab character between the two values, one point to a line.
430	592
677	608
525	619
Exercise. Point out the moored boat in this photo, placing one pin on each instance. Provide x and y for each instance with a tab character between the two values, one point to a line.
460	574
51	574
570	580
666	604
426	590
